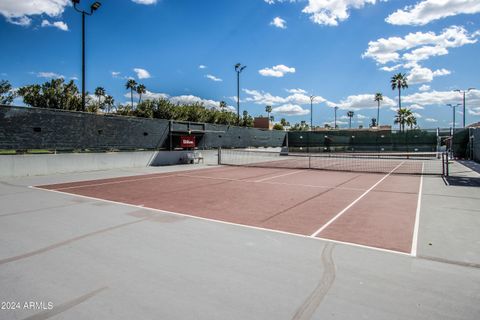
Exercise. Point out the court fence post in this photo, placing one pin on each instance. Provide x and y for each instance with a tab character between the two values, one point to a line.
219	155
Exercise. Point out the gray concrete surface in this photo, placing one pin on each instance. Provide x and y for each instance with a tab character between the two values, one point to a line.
98	260
450	218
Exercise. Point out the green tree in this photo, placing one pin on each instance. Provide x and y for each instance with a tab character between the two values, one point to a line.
378	98
404	117
6	93
399	82
223	105
132	86
350	116
141	89
100	93
268	110
109	103
53	94
278	126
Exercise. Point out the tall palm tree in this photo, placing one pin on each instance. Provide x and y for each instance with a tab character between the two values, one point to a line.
350	116
399	81
99	93
141	89
131	85
378	99
268	110
411	120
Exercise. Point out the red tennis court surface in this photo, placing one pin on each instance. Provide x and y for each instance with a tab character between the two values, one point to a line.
376	210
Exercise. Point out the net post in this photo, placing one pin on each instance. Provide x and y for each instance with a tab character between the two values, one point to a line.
219	159
443	164
447	165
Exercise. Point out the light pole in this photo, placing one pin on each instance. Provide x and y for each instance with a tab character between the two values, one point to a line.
464	106
453	106
238	68
335	122
94	7
312	97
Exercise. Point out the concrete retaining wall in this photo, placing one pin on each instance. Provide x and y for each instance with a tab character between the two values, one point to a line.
46	164
23	128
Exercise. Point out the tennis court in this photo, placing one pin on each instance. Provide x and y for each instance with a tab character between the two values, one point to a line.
377	210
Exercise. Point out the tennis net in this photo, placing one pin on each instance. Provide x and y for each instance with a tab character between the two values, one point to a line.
431	163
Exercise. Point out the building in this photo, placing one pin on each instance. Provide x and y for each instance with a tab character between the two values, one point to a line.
262	123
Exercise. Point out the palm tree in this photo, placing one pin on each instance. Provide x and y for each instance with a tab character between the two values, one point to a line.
399	81
223	106
141	89
350	116
131	85
268	109
99	93
405	116
109	102
378	99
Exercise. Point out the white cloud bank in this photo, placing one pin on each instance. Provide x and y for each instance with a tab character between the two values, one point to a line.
279	23
276	71
57	24
427	11
213	78
142	73
19	12
146	2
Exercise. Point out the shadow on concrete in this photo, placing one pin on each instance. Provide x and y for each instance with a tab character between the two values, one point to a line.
463	181
471	165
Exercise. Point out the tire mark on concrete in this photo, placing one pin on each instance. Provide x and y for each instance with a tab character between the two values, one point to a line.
64	306
308	308
68	241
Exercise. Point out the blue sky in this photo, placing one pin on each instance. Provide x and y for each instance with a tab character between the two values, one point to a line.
341	51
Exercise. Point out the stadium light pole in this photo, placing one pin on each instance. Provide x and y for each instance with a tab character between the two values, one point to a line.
238	69
312	97
335	122
94	7
464	92
453	106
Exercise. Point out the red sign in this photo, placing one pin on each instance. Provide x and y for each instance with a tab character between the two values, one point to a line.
187	141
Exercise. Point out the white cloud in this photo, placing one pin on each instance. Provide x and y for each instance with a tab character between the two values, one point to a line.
421	75
298	97
431	120
424	88
142	73
415	107
57	24
290	110
298	90
361	116
417	115
202	66
276	71
279	23
429	10
441	98
115	74
146	2
361	101
182	99
18	12
392	68
331	12
421	45
213	78
49	75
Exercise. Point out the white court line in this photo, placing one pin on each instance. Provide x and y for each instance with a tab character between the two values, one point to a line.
275	183
174	174
417	217
279	176
354	202
222	222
